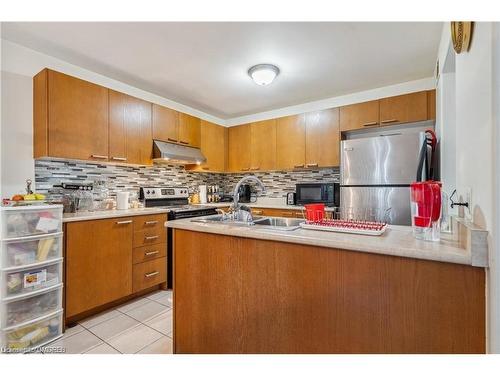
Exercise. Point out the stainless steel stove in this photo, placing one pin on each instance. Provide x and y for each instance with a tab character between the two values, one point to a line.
175	199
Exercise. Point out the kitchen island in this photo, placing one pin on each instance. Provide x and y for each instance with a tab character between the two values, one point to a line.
240	289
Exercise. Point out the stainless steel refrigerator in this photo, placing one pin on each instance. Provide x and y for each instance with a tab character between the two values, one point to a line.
376	172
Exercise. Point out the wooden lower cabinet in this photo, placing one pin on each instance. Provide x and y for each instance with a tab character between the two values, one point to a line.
240	295
277	212
109	260
98	263
150	273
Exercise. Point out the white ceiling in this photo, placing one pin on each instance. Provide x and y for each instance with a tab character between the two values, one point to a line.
204	65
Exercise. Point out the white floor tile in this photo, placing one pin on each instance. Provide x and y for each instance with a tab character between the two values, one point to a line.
164	300
71	331
134	339
103	349
162	323
161	346
77	343
147	311
113	327
132	304
96	319
159	294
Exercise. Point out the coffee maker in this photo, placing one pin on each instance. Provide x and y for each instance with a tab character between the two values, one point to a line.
244	193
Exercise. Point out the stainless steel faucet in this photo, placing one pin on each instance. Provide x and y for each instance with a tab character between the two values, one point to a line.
236	196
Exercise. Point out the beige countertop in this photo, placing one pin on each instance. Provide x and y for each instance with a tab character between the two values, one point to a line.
396	241
108	214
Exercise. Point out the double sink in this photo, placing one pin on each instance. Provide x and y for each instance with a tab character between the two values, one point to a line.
274	223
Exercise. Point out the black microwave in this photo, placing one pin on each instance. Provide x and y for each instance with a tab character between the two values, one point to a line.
327	193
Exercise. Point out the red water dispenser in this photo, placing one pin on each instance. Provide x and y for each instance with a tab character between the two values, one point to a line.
426	210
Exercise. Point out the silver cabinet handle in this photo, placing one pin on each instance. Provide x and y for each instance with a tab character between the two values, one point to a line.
389	121
312	165
147	238
184	142
148	253
370	123
245	169
99	156
255	168
151	274
172	140
118	158
299	166
257	212
124	222
151	222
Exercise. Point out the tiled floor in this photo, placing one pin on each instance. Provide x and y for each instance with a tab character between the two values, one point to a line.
143	325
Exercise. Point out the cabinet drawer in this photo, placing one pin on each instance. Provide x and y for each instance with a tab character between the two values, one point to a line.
145	253
150	236
148	274
149	222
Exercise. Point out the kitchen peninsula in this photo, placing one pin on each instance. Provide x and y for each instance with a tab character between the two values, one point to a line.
241	289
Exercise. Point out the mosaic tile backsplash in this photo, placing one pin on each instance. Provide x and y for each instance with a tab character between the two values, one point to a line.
51	173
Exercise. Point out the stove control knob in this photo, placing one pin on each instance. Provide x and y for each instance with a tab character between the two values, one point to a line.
152	191
147	192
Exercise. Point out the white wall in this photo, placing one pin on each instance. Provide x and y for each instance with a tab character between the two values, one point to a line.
473	134
16	133
494	274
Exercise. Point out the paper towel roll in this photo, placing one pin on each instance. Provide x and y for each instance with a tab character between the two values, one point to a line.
122	200
203	193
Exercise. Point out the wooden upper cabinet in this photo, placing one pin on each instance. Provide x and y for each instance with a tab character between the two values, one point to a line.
359	116
165	124
70	117
98	263
403	108
431	104
130	133
290	142
322	138
189	130
213	146
263	145
239	149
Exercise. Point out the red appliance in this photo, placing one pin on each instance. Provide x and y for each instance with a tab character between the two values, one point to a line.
315	212
426	209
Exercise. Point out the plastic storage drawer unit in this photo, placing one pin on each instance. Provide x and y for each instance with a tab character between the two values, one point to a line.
32	334
30	221
21	310
30	250
17	282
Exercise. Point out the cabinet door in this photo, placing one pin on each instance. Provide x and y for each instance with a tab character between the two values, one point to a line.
98	263
130	134
213	146
431	104
290	142
189	130
165	124
78	118
403	108
359	116
263	145
322	138
239	148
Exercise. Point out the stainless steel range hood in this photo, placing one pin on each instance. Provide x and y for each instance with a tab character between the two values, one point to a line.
171	153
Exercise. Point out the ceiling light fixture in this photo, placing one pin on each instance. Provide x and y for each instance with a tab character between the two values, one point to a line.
263	74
